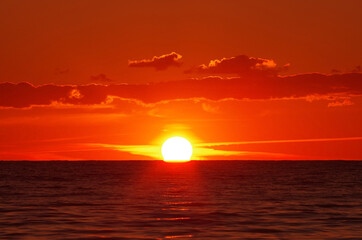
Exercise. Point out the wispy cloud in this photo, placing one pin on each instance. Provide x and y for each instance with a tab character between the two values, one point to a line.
158	62
241	65
280	141
205	151
141	150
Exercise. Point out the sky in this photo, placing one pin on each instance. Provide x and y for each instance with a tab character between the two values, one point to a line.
240	79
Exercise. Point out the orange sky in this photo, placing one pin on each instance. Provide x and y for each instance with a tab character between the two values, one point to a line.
93	79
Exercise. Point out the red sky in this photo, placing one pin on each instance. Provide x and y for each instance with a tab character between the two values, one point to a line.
91	79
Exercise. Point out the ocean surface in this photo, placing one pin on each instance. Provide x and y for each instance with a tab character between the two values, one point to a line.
195	200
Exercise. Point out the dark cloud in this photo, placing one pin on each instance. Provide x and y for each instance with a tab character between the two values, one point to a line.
335	71
241	65
100	78
357	69
159	63
61	71
213	88
24	94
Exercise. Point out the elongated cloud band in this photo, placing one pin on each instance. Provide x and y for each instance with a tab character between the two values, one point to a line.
214	88
159	63
241	65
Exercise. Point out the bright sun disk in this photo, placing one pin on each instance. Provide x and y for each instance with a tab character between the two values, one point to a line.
176	149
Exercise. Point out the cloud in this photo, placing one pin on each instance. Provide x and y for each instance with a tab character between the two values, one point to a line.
241	65
75	94
23	95
61	71
345	102
357	69
101	78
159	63
199	153
281	141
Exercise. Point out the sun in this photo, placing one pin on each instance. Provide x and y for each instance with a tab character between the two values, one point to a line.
176	149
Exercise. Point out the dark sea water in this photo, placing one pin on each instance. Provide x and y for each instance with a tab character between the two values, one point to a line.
196	200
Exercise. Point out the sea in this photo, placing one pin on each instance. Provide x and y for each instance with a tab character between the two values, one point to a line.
194	200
